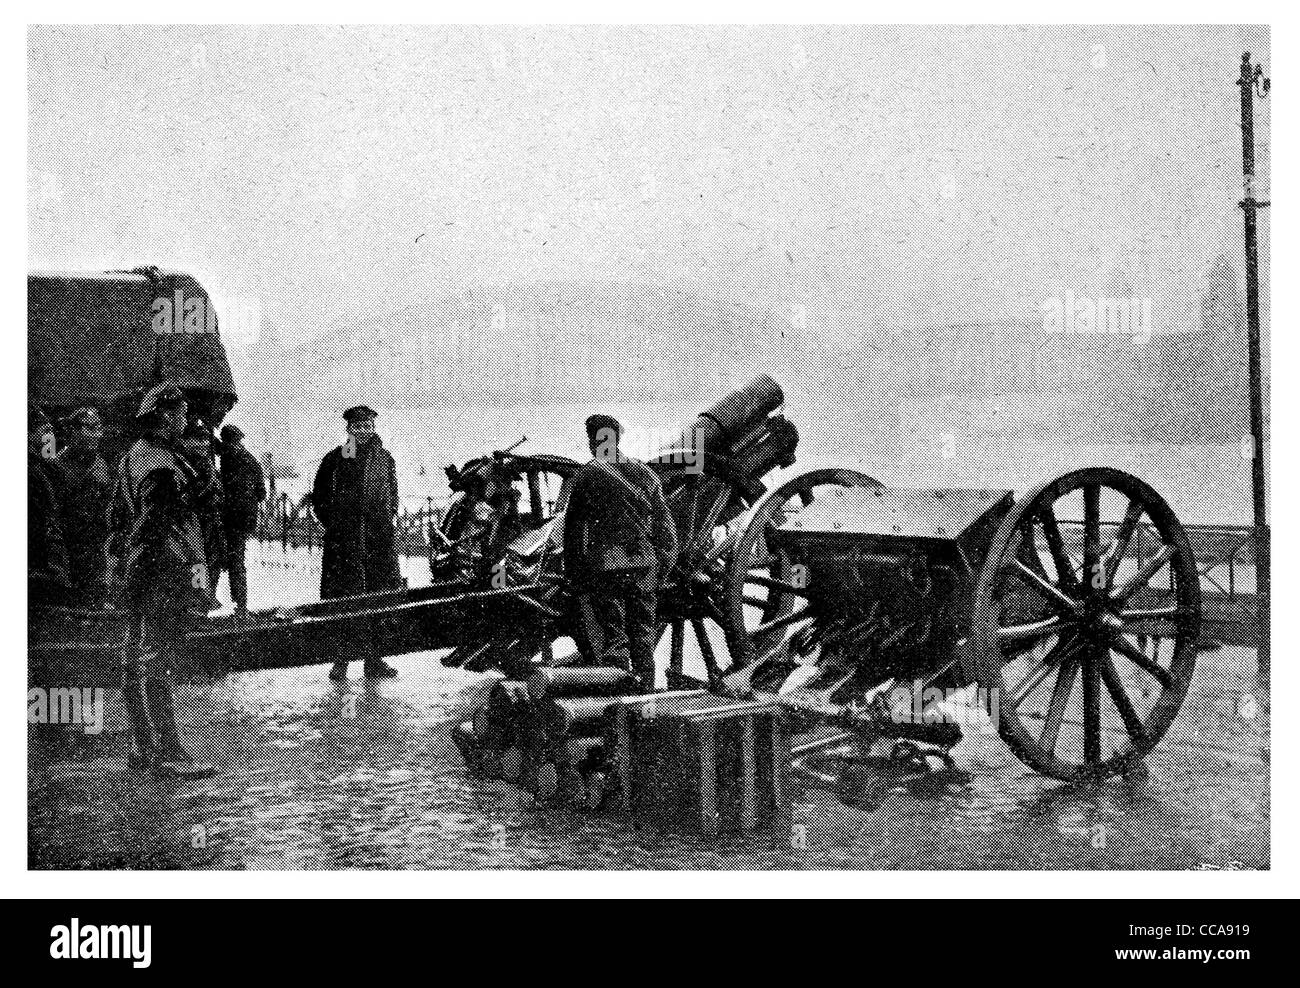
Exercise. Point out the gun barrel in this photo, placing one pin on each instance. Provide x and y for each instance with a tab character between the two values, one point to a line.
721	427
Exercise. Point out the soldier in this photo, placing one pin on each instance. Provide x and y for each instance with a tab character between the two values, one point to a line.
48	579
619	544
157	540
245	489
85	510
354	498
209	498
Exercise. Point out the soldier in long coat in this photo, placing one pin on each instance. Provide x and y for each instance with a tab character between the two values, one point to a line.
620	543
88	486
48	580
354	497
156	543
244	489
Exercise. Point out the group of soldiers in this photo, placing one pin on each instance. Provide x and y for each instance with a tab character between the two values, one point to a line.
150	537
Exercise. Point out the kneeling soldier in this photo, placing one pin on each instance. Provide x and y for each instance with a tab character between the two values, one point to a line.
619	544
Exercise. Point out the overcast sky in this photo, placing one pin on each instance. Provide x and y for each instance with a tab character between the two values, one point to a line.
956	173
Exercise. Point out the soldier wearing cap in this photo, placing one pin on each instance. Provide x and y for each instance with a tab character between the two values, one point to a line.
354	497
209	497
619	544
89	486
245	488
48	579
162	576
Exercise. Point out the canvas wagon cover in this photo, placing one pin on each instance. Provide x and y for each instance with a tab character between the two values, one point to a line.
91	338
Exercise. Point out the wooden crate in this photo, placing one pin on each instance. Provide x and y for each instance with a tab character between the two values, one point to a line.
704	762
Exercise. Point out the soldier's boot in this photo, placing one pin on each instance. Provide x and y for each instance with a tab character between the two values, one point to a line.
163	714
339	671
137	711
379	669
173	759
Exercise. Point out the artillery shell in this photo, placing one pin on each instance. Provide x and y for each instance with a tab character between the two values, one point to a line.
579	716
581	681
500	721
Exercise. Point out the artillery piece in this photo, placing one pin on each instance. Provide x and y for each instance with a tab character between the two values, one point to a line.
1072	614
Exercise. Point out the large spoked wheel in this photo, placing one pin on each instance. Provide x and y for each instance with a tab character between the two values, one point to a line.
767	596
1085	622
708	506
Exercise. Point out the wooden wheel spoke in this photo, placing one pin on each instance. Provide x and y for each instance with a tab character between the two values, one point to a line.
1143	576
1143	661
1123	538
1058	653
1028	552
676	652
1060	700
1092	703
1031	630
715	554
706	650
1115	686
1091	533
1065	574
1159	622
1048	590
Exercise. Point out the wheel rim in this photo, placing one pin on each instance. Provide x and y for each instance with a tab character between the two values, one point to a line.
1085	621
765	595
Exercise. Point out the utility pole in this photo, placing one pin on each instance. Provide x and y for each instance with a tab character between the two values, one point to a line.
1252	81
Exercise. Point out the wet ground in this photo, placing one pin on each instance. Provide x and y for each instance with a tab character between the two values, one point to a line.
318	775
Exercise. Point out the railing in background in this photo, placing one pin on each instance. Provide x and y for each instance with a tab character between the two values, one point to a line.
281	519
